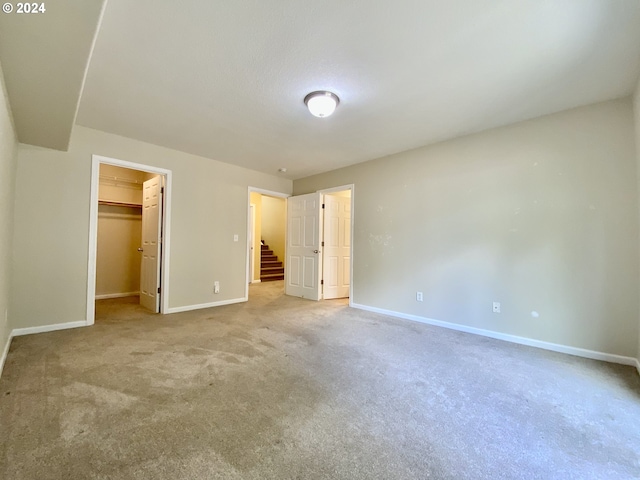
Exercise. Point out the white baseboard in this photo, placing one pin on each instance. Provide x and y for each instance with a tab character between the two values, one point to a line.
580	352
116	295
5	352
256	281
188	308
16	332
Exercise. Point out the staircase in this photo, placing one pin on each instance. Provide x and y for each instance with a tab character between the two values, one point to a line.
270	267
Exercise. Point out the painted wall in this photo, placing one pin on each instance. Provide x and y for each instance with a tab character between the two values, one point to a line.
52	225
117	258
8	158
256	199
119	231
274	219
541	216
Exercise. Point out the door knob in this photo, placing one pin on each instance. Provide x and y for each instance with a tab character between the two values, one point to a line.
316	251
140	249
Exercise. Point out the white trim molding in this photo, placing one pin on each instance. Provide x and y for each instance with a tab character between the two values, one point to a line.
555	347
638	365
5	352
188	308
116	295
16	332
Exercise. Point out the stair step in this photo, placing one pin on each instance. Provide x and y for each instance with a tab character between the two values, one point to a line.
270	270
272	277
273	263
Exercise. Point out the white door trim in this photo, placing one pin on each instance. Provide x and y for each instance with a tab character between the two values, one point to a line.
251	233
96	161
352	188
270	193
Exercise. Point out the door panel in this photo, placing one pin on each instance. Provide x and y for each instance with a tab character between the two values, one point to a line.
151	245
337	243
304	228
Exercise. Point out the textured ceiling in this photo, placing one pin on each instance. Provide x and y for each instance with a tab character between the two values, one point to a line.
44	60
226	79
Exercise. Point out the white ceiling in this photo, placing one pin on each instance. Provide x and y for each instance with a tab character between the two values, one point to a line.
226	79
44	60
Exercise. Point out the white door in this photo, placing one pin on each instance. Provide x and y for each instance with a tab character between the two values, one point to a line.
151	244
304	230
336	273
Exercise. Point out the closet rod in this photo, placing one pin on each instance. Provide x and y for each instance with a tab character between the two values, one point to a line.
119	204
120	179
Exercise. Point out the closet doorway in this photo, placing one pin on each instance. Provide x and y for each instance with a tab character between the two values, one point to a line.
319	247
129	234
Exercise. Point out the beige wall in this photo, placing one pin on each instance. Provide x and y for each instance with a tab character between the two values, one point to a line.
636	111
52	225
118	260
274	219
8	156
541	216
256	199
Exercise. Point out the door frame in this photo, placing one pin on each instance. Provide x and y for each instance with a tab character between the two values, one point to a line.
251	240
270	193
342	188
96	161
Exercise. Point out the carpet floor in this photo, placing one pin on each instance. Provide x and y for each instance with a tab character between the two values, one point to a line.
286	388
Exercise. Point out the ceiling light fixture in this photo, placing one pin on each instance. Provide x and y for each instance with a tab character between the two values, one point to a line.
282	170
321	103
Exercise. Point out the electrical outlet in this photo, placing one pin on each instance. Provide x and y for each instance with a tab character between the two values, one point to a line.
496	307
216	287
235	237
418	296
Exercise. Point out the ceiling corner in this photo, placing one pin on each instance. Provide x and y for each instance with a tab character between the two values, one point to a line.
45	57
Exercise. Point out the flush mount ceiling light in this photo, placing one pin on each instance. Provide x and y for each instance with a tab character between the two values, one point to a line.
321	103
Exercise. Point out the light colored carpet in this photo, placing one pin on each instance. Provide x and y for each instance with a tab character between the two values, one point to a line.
285	388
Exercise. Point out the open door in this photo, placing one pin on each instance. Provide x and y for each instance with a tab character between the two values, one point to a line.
303	267
151	244
336	260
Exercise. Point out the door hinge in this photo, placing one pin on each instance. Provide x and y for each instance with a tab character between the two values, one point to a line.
323	205
161	189
158	289
322	244
321	282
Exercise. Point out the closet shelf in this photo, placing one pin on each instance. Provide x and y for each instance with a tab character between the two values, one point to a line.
120	180
119	204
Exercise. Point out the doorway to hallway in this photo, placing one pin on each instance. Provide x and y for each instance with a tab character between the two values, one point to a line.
266	243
